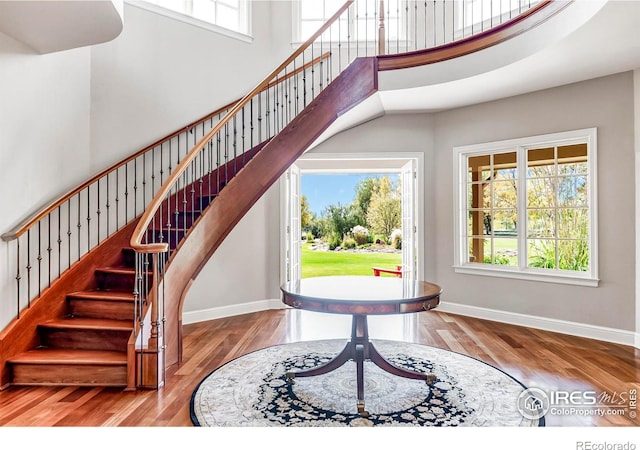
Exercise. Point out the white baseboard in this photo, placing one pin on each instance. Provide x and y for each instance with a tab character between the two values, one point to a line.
543	323
613	335
231	310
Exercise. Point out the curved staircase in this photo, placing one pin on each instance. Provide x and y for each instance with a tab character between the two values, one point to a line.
118	309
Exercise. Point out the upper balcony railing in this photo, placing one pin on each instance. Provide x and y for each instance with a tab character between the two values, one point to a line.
48	242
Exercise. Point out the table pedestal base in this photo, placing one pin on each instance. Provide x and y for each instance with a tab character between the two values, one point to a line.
359	349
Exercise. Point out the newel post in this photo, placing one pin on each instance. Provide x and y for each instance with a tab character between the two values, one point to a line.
381	31
151	346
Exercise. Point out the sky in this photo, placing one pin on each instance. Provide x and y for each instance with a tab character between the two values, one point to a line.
323	190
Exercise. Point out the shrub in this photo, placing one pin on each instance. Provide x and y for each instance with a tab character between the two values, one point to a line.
334	241
360	234
396	239
310	237
349	242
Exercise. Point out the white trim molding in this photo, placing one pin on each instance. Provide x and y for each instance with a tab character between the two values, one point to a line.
585	330
221	312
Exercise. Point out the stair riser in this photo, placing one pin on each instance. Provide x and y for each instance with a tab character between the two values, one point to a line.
99	309
68	375
115	281
84	339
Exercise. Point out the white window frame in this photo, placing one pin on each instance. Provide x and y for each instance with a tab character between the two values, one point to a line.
186	18
520	146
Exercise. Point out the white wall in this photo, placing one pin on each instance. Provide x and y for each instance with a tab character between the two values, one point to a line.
162	73
44	138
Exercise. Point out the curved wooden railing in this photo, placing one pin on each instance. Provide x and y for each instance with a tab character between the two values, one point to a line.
178	173
496	34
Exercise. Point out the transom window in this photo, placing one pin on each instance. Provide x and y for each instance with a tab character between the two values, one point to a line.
231	15
527	208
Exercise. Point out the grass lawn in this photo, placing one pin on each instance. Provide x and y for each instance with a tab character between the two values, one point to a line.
318	263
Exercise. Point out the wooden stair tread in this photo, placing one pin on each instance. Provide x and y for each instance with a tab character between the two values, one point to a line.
86	323
70	356
117	270
115	296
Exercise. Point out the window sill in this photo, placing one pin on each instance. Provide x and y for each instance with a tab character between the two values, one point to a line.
191	20
530	275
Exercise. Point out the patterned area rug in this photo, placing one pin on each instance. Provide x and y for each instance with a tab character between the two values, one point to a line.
252	390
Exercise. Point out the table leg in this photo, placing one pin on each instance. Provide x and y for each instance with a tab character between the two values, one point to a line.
345	355
385	365
359	350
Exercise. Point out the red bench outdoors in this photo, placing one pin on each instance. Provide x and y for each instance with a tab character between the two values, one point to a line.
378	270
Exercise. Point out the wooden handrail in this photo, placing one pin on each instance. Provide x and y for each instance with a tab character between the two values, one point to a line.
41	213
500	33
154	205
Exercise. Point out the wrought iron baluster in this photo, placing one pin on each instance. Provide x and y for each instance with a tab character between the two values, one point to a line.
69	231
29	267
98	212
18	278
108	205
59	243
39	257
88	218
79	225
135	187
126	193
49	249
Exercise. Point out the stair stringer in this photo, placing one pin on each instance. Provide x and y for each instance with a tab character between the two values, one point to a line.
356	83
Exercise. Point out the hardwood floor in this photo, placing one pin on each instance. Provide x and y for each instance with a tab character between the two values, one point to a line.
537	358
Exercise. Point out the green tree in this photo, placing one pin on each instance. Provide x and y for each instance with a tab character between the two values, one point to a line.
385	209
306	215
364	191
340	219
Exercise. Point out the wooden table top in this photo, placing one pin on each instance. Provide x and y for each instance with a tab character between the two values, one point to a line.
361	295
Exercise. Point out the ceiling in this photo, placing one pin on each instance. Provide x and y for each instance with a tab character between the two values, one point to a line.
588	39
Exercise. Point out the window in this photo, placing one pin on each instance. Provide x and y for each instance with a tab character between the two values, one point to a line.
232	15
526	208
360	24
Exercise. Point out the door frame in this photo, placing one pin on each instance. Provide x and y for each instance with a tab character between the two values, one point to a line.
378	162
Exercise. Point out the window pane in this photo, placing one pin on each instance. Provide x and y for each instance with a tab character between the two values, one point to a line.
309	27
572	191
480	251
573	255
572	159
541	162
505	194
479	223
505	251
541	223
205	10
573	223
227	17
541	193
312	9
542	254
503	222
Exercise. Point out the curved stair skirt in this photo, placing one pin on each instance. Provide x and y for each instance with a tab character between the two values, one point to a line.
57	25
